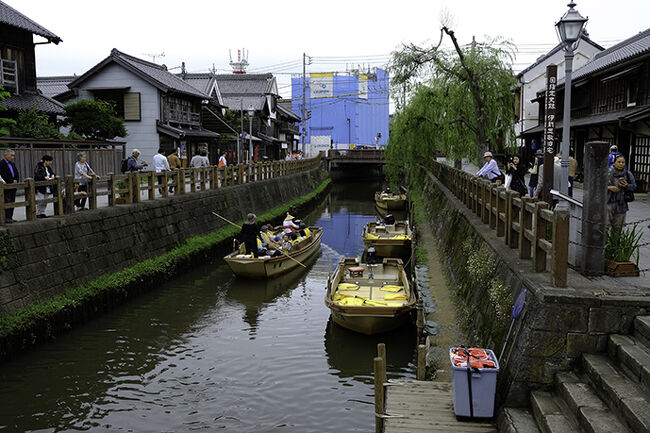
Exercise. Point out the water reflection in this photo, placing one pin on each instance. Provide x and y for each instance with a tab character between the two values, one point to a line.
255	295
351	354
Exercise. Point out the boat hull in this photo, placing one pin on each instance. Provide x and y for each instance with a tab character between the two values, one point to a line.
389	249
250	267
370	324
390	204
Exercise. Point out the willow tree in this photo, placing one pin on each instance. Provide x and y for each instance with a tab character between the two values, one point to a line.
458	102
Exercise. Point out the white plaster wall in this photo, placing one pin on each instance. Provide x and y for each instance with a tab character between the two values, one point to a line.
141	134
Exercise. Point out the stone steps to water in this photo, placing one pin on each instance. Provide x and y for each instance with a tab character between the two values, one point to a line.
610	395
515	420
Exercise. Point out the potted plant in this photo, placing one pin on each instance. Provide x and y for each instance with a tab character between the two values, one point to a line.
621	246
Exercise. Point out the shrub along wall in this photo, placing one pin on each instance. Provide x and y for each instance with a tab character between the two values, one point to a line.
58	271
557	325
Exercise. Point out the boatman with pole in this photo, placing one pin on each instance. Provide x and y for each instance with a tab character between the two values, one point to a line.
249	233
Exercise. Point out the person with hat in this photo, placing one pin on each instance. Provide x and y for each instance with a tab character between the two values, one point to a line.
534	171
490	169
249	234
289	227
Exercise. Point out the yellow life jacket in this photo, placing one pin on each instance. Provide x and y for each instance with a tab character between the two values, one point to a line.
307	232
259	243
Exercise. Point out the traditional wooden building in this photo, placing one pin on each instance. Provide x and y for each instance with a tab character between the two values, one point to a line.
18	62
610	101
159	109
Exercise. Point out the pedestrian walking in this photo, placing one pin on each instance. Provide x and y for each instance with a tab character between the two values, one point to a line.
160	165
132	163
222	160
620	191
82	174
43	172
174	163
9	174
197	160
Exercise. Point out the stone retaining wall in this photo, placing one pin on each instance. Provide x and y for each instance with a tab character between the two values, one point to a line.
557	325
40	260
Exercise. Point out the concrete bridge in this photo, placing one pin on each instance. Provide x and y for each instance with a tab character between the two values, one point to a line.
356	162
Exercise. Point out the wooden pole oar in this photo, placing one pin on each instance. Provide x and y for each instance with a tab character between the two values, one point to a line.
270	243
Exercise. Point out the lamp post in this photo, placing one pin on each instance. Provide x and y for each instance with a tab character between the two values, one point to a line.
569	30
251	113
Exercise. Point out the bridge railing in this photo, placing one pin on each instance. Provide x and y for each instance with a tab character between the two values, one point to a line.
531	227
121	189
355	154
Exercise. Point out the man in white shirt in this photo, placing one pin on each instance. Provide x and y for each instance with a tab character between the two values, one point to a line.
160	164
490	169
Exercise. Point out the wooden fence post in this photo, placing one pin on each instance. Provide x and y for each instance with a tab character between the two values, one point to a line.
151	185
560	251
539	255
58	204
240	174
525	223
380	379
502	197
487	198
30	199
69	194
510	194
165	184
92	192
179	175
422	362
135	184
2	203
111	189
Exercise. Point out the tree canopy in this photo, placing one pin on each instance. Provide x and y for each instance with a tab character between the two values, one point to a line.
34	124
5	123
94	119
456	102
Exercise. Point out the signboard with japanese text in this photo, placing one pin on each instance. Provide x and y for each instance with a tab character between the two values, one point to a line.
550	109
363	86
321	85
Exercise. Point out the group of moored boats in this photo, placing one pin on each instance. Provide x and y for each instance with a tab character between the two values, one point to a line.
370	295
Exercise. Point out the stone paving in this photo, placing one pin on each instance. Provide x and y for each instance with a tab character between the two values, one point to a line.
639	212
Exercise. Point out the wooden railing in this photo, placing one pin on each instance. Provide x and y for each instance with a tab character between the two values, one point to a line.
137	186
531	227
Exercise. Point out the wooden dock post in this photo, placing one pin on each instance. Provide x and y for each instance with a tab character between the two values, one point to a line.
420	320
380	375
422	361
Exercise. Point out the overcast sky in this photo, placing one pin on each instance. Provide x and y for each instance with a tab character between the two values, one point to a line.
336	33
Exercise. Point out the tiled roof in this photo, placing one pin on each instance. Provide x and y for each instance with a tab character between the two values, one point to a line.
12	17
25	101
285	108
251	88
156	75
204	82
637	45
53	86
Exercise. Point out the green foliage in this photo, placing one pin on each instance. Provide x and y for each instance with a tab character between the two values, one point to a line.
94	119
5	123
34	124
234	119
622	242
453	103
501	299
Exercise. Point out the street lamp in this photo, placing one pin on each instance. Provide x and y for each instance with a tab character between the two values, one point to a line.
251	113
569	30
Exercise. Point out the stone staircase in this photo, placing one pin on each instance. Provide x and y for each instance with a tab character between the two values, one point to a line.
609	392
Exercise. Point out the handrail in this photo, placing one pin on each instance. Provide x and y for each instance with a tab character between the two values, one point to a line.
128	188
538	232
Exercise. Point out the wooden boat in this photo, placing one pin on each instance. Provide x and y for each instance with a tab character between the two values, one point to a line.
390	201
370	299
244	265
389	240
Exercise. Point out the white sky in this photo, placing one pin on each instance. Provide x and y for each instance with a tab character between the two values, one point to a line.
200	33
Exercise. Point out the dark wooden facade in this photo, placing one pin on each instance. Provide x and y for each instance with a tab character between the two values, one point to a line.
17	47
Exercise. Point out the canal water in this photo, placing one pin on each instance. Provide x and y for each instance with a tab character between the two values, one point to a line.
211	352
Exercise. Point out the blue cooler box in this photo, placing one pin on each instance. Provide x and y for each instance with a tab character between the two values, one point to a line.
480	383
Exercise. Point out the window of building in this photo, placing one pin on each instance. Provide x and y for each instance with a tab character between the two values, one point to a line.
126	104
632	92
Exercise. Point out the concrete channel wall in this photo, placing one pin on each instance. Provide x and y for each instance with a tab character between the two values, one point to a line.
557	326
42	259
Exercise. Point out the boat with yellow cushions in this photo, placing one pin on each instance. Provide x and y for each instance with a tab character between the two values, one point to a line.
370	299
244	265
389	200
389	240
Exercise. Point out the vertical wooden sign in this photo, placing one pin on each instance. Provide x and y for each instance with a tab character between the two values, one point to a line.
550	103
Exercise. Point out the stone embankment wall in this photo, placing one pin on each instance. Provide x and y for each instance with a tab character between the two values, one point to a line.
42	259
557	325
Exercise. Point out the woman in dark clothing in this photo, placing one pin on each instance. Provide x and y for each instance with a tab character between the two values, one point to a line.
249	234
538	163
517	170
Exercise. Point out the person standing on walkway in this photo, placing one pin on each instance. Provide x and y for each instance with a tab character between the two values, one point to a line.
490	169
43	172
197	160
132	162
613	153
9	174
174	163
160	165
82	174
535	170
517	170
620	186
222	160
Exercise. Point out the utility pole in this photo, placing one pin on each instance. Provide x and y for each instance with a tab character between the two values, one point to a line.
304	99
241	126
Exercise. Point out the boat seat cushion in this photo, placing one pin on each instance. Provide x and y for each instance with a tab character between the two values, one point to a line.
356	271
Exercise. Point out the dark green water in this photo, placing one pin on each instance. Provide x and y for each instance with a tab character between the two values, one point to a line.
210	352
